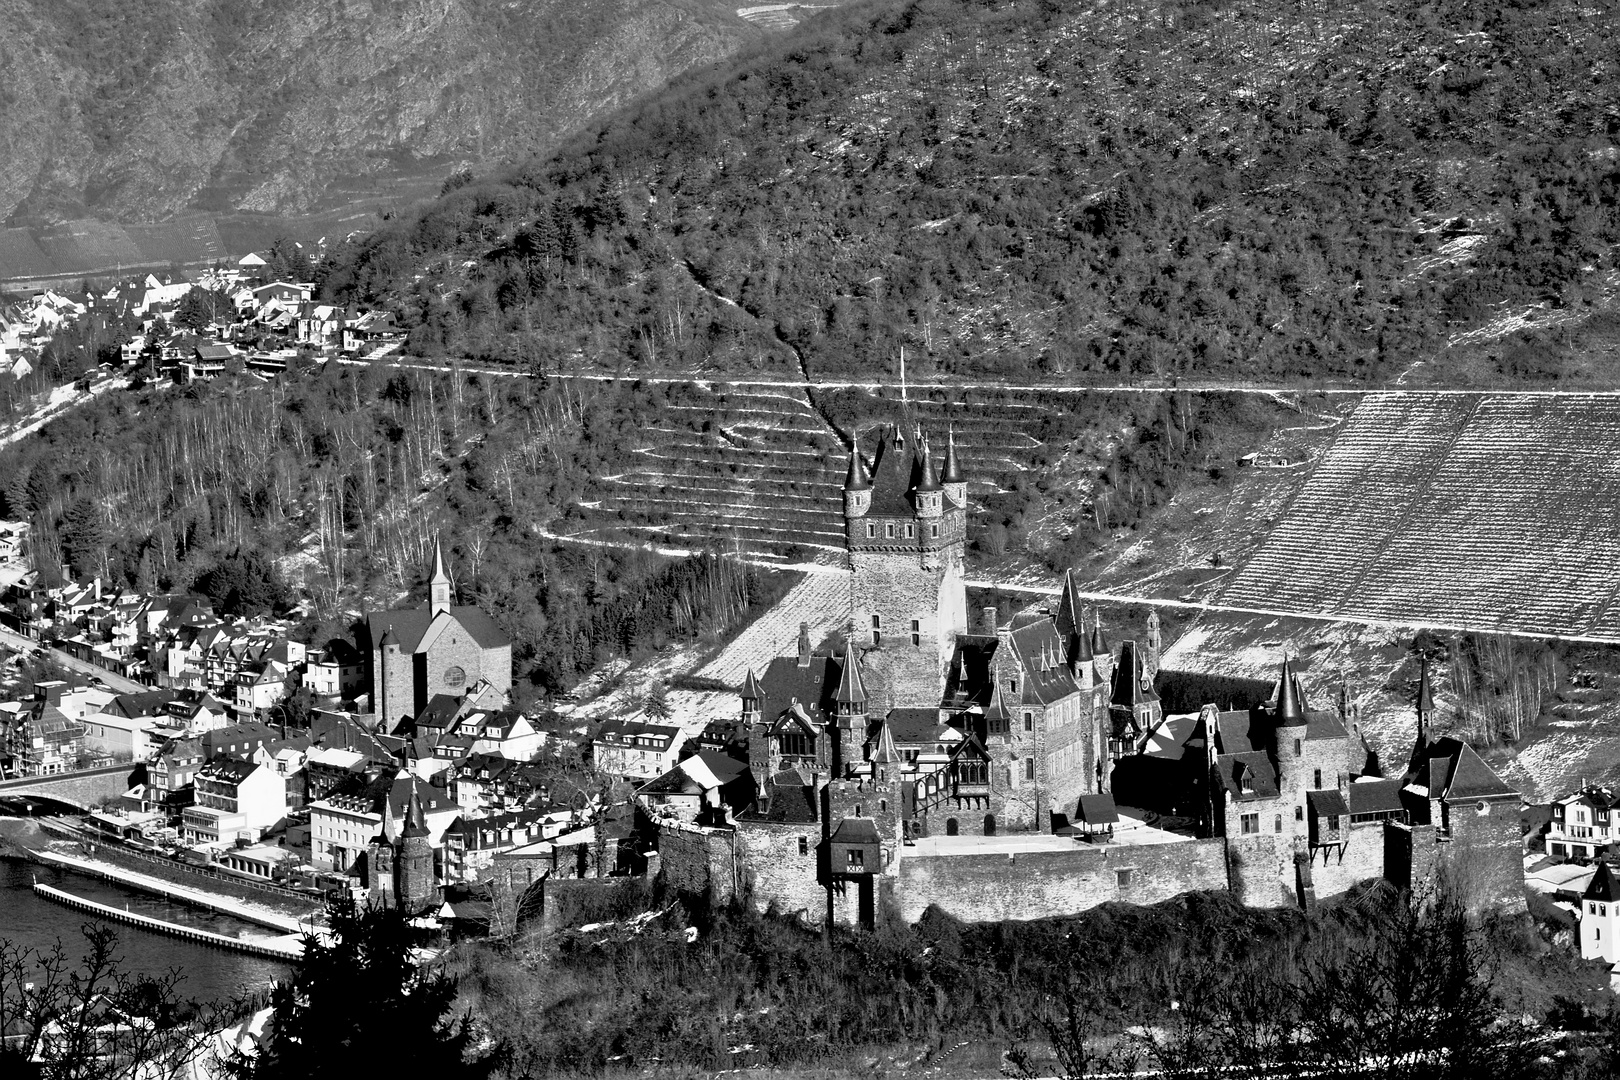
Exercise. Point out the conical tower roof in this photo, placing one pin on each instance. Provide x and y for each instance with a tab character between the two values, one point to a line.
390	828
952	473
415	820
857	478
1425	702
750	687
923	476
1290	709
1069	617
851	688
885	752
1099	643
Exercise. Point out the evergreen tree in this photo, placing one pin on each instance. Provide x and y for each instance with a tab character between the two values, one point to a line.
360	1002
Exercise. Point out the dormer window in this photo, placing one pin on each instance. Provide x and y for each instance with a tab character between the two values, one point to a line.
1246	782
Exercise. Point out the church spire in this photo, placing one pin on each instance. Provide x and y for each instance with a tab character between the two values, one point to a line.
1425	704
439	583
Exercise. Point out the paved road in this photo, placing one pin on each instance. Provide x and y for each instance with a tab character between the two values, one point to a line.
113	680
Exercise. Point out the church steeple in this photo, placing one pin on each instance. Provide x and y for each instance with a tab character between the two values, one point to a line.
439	584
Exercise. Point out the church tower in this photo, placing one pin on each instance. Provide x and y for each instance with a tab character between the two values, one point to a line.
439	584
905	531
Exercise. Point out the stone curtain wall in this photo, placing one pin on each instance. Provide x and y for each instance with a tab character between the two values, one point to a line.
776	875
1043	884
1334	873
700	861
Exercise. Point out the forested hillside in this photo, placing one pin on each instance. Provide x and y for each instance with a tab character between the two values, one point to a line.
141	109
1128	189
344	477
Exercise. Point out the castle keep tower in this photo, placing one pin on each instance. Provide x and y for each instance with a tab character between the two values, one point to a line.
905	529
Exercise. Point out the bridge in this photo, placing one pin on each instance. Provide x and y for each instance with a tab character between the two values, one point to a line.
83	790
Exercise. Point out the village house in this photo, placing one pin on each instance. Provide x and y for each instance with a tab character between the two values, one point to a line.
635	750
233	799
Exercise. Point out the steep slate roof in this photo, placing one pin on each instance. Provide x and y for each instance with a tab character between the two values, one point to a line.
914	726
969	681
1602	886
1043	684
1324	803
855	830
814	686
410	626
1259	767
891	476
1097	810
1375	796
1471	778
785	803
1128	683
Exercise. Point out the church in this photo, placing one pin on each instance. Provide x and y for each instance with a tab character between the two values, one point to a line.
416	654
911	728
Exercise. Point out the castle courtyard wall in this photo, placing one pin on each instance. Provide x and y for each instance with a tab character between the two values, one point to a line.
1335	871
997	886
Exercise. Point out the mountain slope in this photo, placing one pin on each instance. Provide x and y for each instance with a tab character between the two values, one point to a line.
140	110
1129	189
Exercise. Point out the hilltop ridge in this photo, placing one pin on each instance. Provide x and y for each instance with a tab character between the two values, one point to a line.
1131	191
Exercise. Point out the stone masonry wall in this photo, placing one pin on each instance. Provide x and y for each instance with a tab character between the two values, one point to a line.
699	861
1042	884
776	875
1335	872
897	588
1262	869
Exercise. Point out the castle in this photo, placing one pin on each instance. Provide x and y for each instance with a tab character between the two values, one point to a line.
1027	768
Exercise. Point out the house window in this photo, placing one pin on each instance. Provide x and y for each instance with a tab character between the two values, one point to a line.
916	631
1247	782
796	745
1122	879
1333	822
1029	720
1297	749
1317	780
883	806
911	531
888	530
933	530
1299	813
1029	768
877	632
1012	686
856	859
804	845
1279	823
1250	824
871	529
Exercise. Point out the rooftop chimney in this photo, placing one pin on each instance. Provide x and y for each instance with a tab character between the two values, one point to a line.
989	620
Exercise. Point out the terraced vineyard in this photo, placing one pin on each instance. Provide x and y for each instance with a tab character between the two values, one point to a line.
762	469
1492	512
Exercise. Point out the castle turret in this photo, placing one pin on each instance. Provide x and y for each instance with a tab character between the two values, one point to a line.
380	861
927	494
751	697
439	584
951	477
857	484
1102	657
850	706
414	859
1290	702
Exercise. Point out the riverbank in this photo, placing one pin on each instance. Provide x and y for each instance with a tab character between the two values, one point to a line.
289	947
227	905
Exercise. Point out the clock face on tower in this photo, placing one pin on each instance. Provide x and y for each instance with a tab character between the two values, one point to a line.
455	676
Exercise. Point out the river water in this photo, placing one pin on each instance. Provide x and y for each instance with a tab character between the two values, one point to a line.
210	974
